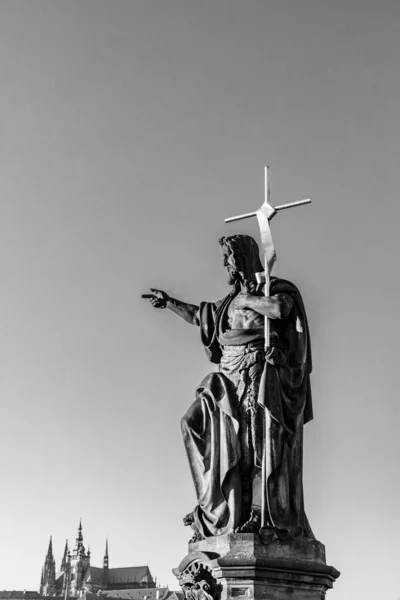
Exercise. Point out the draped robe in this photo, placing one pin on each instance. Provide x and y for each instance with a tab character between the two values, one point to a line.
211	427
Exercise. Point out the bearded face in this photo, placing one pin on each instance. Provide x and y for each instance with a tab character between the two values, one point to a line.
241	258
231	266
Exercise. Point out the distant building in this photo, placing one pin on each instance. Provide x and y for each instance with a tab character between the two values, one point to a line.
132	594
19	595
77	577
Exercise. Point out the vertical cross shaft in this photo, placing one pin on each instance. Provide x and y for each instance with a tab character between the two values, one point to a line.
264	215
267	198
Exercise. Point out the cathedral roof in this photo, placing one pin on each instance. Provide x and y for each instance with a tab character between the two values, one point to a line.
129	575
93	574
59	581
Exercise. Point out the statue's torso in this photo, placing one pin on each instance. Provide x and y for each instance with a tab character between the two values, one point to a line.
242	318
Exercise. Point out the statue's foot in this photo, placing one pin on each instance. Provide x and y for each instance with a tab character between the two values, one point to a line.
188	519
196	537
252	525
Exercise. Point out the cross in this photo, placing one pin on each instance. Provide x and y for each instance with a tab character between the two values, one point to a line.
264	214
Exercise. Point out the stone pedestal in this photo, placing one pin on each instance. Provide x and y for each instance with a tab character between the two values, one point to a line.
240	566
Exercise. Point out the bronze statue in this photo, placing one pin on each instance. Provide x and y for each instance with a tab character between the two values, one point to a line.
243	433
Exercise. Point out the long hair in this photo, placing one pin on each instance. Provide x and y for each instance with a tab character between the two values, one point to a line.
244	253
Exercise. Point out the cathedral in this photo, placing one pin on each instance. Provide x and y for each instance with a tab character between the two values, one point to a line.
78	578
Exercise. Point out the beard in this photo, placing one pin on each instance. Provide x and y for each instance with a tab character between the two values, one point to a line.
233	276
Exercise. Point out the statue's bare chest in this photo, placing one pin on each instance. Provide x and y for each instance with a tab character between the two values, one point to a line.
242	318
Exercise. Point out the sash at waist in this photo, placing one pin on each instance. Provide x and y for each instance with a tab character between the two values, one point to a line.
243	349
240	337
239	358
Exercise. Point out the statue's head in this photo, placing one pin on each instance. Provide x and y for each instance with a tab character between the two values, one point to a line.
241	257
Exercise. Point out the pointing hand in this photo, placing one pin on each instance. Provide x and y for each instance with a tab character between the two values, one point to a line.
157	298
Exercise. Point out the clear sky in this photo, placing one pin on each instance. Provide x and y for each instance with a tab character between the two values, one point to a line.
128	131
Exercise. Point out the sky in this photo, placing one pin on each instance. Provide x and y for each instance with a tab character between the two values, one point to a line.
129	130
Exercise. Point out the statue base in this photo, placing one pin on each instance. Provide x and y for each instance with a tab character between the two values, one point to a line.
239	566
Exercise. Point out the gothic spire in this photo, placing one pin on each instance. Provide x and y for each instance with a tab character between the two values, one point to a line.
65	557
79	547
50	550
105	560
48	579
80	536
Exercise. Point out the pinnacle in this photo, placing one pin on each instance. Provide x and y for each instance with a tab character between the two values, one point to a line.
50	550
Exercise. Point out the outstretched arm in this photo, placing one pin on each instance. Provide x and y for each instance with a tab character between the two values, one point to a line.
187	312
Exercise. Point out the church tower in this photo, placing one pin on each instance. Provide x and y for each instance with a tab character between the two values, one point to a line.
79	563
48	580
66	575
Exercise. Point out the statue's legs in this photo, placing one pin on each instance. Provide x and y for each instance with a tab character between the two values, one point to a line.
210	433
223	436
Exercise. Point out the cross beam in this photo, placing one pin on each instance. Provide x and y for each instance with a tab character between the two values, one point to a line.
267	201
276	208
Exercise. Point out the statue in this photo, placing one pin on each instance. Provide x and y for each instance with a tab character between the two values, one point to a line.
243	433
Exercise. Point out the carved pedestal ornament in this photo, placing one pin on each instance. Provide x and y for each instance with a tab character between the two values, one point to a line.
198	583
